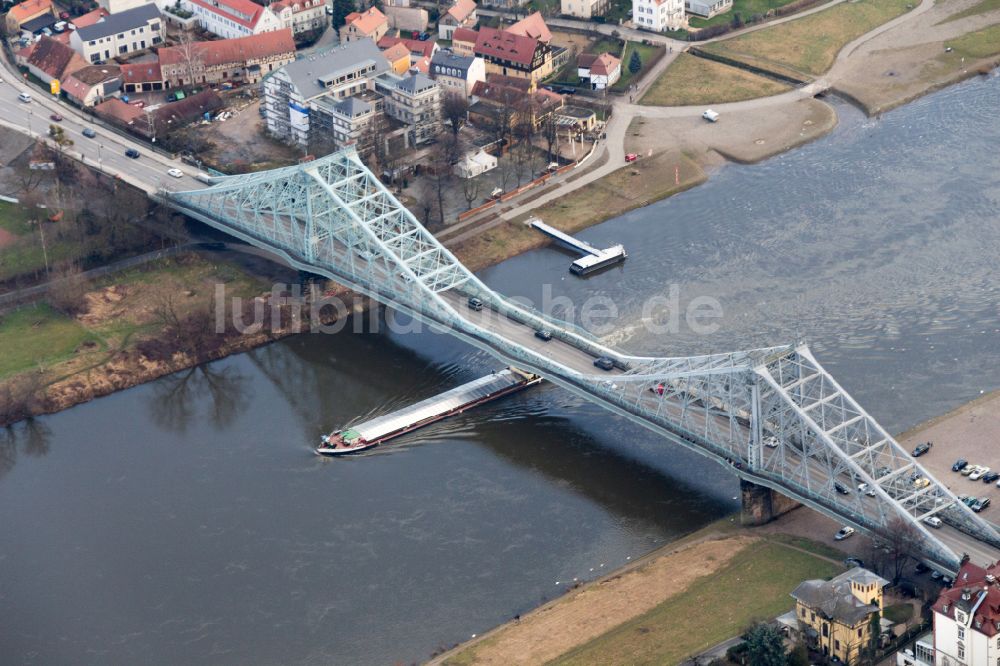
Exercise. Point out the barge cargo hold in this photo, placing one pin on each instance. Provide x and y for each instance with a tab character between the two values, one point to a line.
371	433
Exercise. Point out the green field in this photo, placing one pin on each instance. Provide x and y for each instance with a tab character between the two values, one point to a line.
14	219
745	8
755	586
692	80
979	44
810	44
38	334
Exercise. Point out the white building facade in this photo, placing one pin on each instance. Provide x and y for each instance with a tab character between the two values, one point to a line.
120	34
658	15
967	619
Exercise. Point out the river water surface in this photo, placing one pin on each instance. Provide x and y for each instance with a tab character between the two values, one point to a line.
187	520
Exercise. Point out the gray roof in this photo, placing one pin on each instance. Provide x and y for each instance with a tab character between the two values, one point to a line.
415	82
120	22
444	58
834	599
352	106
305	74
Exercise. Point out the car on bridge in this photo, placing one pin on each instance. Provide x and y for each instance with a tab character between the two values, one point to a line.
56	118
475	304
604	363
921	449
132	153
866	489
844	533
840	488
933	521
959	465
89	133
175	173
544	334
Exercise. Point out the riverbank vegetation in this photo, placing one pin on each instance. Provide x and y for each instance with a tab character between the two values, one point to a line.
638	184
664	608
810	44
691	80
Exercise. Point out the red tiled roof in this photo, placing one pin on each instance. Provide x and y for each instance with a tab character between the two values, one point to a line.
90	18
295	5
29	9
237	50
417	48
396	52
55	58
117	110
506	45
464	35
461	10
141	72
366	22
604	64
422	64
532	25
243	12
974	582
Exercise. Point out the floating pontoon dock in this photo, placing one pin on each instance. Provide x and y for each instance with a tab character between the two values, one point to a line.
592	259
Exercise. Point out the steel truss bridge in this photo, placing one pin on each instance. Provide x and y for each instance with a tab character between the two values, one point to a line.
772	416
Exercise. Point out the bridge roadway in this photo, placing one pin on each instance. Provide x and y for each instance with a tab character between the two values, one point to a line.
582	362
106	152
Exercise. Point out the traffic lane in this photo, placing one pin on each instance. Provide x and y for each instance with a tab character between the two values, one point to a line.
35	115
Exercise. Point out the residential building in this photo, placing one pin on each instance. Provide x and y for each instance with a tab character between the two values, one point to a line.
601	71
142	77
369	24
922	653
457	74
967	618
399	57
462	14
532	25
90	18
658	15
584	9
463	41
300	15
116	6
505	4
337	74
119	35
707	8
346	122
229	18
413	100
26	11
407	19
510	54
241	60
514	100
418	48
49	59
836	617
93	84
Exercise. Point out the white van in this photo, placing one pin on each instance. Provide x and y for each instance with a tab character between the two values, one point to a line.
710	116
24	97
204	177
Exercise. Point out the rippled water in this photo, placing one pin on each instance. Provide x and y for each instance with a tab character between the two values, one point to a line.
186	521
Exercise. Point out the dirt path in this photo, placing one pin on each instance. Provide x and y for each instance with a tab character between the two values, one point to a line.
590	611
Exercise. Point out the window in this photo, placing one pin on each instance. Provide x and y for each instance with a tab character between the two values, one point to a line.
961	633
826	630
859	633
836	645
961	652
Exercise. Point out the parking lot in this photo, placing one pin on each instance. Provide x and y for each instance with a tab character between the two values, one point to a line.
972	433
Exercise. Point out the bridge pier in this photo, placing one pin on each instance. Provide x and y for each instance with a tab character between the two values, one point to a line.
761	504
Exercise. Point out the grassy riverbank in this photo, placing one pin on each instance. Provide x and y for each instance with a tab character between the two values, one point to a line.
691	80
662	608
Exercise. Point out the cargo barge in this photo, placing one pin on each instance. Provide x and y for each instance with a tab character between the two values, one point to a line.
380	429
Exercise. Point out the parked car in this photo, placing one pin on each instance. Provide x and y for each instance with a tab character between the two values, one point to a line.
979	473
475	304
604	363
175	173
967	500
980	504
991	477
840	488
543	334
921	449
843	533
89	133
710	116
853	562
969	469
567	90
933	521
631	157
133	153
959	465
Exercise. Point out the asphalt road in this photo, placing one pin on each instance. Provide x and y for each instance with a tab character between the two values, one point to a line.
106	151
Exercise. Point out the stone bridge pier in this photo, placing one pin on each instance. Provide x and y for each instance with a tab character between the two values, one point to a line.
761	504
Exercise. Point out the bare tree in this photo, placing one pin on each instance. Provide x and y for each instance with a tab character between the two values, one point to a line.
68	290
192	64
442	156
455	109
470	188
550	133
